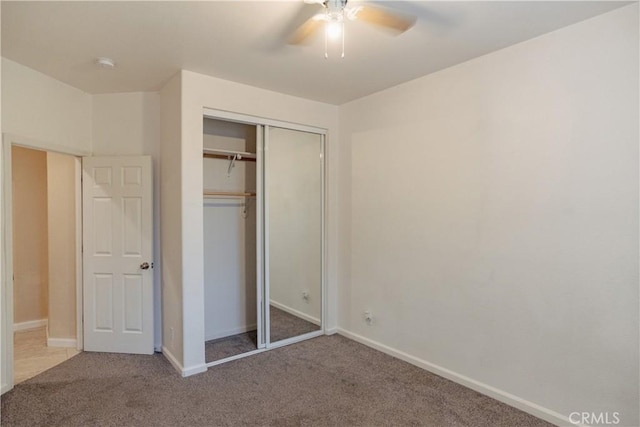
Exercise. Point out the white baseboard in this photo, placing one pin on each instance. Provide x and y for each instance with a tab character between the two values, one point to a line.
295	312
31	324
192	370
172	359
5	388
508	398
227	333
331	331
62	342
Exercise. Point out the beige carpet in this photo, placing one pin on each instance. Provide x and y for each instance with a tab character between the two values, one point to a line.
326	381
233	345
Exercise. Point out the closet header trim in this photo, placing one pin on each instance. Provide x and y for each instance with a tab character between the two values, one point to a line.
254	120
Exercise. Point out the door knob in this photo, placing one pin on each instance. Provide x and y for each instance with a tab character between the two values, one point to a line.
144	266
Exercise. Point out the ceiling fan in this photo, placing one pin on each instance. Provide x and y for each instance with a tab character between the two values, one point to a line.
336	12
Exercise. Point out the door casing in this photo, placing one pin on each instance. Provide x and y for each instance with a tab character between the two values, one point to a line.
6	264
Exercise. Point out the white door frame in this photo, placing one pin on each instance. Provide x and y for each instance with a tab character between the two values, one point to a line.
265	243
8	140
262	321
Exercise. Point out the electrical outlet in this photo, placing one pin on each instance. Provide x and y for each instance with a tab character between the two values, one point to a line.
368	317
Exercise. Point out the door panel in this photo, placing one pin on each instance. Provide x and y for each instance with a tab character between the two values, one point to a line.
101	225
117	242
104	293
293	232
131	236
133	301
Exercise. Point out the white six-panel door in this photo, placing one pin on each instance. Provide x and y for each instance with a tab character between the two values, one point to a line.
117	254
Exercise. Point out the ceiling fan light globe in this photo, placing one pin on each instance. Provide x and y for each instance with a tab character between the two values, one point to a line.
334	29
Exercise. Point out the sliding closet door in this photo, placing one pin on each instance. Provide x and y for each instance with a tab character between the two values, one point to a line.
293	192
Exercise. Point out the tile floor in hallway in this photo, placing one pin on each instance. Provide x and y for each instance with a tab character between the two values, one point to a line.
32	356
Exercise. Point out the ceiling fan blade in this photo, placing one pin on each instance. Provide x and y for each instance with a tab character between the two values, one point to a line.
384	18
306	30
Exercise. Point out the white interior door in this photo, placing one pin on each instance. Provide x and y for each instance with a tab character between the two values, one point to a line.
117	254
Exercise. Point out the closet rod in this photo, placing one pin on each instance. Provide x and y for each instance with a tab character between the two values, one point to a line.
226	154
229	194
227	157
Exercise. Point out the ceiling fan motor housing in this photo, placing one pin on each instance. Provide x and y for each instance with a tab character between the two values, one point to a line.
335	6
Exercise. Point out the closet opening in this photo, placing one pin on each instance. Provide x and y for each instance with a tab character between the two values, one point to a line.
229	214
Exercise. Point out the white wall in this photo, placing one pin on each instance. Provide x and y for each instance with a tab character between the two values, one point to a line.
39	108
171	220
494	219
60	216
199	91
128	124
229	233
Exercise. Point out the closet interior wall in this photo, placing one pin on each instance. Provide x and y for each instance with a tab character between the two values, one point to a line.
229	232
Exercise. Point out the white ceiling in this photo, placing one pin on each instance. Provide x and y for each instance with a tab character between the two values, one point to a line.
244	42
